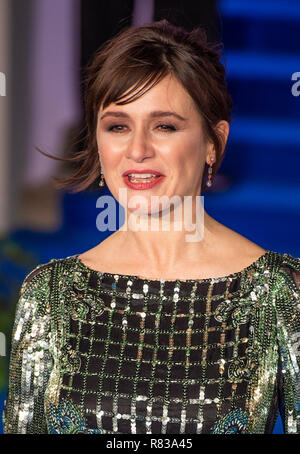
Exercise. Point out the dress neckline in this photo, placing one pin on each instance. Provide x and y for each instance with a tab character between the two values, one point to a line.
262	259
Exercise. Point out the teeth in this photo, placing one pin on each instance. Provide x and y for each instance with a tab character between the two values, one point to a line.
141	175
138	180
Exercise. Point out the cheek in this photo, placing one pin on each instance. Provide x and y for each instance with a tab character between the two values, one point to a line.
109	152
189	155
190	162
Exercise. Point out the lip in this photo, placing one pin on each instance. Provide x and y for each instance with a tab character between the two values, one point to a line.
142	186
142	171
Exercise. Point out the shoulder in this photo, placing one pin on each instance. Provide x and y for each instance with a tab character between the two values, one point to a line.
286	294
288	271
40	270
36	292
41	276
235	247
285	267
286	300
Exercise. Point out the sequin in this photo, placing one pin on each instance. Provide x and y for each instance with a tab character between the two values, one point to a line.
67	419
232	423
95	352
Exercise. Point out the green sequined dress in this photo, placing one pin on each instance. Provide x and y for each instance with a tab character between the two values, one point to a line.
100	353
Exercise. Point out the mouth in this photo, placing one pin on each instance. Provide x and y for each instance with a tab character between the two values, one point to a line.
142	181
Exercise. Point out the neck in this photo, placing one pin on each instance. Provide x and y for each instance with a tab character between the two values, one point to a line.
171	241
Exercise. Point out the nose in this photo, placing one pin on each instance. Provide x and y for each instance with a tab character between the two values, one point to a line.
138	147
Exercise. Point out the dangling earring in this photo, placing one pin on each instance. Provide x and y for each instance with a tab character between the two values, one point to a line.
209	182
101	182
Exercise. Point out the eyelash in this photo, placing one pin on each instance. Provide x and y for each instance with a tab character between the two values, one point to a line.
169	127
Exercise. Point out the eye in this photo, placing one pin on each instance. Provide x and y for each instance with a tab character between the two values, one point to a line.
112	128
167	127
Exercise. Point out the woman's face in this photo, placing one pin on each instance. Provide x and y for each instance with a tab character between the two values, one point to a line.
160	131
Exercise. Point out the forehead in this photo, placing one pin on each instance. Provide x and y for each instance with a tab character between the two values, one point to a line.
167	94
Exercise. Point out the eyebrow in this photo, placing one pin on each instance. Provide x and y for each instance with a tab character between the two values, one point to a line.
153	114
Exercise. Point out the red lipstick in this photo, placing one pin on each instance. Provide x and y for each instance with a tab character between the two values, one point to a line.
139	185
142	171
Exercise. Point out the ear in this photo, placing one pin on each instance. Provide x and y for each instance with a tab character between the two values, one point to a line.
222	130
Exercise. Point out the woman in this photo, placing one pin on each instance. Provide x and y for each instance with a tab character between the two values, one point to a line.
151	332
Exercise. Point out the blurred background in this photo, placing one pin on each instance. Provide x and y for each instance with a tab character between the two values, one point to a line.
44	44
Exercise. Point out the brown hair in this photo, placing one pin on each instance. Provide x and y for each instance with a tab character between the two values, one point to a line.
138	58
